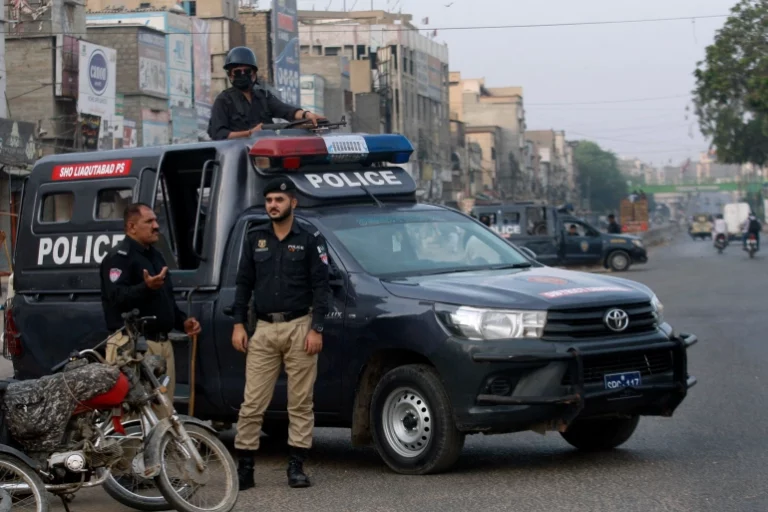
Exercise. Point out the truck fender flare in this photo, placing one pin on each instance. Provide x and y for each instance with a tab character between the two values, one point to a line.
152	455
26	459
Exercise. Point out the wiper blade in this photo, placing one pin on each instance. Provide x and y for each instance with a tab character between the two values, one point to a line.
514	265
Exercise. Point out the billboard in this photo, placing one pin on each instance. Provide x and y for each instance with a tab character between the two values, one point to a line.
285	45
179	52
97	81
152	66
18	145
201	59
154	127
183	125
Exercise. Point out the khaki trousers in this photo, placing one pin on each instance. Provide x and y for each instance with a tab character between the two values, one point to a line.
272	345
159	348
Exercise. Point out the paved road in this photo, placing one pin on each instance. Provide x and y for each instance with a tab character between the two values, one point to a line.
711	456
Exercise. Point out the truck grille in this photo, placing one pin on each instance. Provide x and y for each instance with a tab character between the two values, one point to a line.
585	323
647	362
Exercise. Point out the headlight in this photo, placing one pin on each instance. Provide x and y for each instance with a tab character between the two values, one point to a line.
491	324
658	308
638	243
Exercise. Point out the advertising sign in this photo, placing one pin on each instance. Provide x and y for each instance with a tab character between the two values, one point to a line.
98	73
184	125
152	67
129	133
17	143
154	127
286	50
179	61
201	60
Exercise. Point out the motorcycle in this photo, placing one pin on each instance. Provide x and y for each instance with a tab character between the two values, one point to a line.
55	431
721	242
752	245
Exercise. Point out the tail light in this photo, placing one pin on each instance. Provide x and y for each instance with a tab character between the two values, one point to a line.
12	347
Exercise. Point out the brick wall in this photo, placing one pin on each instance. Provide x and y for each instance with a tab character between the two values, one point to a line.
258	37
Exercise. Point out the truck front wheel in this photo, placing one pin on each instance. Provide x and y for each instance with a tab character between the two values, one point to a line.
412	421
619	261
600	434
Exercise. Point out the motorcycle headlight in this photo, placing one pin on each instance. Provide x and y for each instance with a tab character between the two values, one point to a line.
491	324
658	308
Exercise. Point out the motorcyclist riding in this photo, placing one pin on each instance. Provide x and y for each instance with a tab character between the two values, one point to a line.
751	226
719	228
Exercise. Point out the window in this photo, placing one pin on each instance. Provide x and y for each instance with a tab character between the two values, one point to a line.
421	242
57	207
332	50
537	220
579	229
111	203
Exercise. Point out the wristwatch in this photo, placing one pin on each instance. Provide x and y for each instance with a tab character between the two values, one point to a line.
317	328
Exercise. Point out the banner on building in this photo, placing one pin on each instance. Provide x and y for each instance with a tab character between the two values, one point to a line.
285	46
154	127
18	145
98	80
152	66
179	61
90	127
201	60
184	125
129	134
67	66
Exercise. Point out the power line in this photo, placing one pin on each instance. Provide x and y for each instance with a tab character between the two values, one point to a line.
363	28
609	101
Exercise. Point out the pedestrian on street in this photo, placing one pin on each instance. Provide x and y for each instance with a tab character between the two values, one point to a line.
134	275
286	268
613	226
240	111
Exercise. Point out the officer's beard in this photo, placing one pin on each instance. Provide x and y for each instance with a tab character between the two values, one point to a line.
284	216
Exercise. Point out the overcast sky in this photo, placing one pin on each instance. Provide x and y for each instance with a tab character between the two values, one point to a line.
584	64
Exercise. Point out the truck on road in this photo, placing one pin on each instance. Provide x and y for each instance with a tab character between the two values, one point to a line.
437	328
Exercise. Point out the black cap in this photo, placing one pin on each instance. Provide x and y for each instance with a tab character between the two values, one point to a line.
281	184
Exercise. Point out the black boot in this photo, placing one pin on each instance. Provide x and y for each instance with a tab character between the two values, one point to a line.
296	476
245	465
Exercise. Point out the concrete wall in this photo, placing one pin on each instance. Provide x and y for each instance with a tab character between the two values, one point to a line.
337	86
225	34
258	37
32	100
367	115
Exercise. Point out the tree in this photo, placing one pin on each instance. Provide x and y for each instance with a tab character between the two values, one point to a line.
599	176
731	95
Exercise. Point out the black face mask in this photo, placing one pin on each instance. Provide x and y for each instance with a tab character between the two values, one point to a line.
243	81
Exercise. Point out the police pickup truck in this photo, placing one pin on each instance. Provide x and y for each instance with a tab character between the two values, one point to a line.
558	238
437	327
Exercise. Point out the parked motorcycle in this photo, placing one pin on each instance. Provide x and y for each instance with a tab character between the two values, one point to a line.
751	245
56	438
721	242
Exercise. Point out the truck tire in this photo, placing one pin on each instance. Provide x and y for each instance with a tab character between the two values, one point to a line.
619	261
600	434
412	422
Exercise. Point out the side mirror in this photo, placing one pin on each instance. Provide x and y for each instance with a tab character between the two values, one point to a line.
528	252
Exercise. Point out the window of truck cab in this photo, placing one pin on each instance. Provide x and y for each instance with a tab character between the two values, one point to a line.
420	242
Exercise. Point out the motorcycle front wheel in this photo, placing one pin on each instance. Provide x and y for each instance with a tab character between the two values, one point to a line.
20	487
186	488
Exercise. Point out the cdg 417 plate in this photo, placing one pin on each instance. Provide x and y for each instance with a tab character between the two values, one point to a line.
622	380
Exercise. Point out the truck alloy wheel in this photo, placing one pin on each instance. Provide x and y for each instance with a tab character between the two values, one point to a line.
619	261
600	434
412	421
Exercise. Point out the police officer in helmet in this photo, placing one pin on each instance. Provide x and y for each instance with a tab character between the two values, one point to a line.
240	111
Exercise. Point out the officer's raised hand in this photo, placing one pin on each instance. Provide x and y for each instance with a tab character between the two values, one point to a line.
240	338
313	344
155	282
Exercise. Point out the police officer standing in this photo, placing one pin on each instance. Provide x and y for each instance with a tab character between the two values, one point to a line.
241	110
286	267
134	276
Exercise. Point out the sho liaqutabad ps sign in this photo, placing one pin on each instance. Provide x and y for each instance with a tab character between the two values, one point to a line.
286	50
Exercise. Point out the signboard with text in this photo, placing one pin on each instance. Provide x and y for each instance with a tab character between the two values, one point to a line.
97	81
286	50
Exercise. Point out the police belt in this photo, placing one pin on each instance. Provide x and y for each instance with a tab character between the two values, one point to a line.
282	317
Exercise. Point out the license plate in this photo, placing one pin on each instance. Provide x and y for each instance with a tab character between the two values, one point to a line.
622	380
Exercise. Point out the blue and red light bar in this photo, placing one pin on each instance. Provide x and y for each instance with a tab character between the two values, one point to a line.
295	152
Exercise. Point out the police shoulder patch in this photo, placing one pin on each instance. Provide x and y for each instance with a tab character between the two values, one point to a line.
114	274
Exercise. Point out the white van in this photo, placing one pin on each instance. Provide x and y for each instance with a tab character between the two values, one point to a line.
734	214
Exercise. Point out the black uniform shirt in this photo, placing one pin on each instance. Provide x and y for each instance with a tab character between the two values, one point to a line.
285	276
231	112
123	288
613	227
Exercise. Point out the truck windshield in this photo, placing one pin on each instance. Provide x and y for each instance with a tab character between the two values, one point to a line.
418	243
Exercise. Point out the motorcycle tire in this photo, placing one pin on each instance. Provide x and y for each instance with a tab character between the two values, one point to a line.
10	464
125	496
179	500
